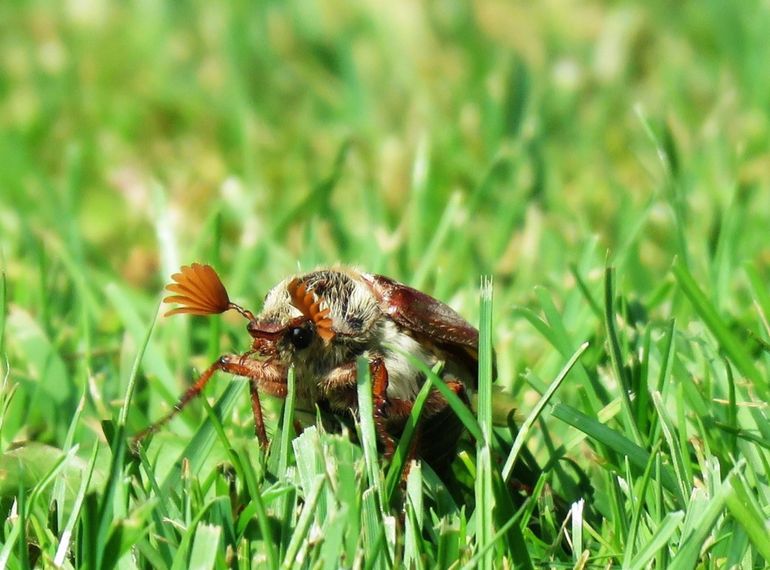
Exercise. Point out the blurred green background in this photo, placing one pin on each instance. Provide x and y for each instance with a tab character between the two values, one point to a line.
432	141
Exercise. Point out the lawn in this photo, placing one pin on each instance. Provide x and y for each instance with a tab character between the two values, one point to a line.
589	183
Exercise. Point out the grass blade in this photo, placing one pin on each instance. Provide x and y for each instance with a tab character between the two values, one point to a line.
118	445
731	345
523	433
414	517
205	547
396	466
615	441
663	533
743	505
200	444
287	428
368	431
616	354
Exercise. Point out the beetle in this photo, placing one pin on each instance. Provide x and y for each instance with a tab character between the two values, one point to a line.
321	322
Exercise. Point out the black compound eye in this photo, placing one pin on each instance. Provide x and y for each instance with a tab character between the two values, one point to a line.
301	337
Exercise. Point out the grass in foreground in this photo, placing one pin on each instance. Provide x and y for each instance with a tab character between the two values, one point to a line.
666	486
519	141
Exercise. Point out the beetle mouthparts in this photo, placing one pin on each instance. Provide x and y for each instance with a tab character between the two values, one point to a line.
265	330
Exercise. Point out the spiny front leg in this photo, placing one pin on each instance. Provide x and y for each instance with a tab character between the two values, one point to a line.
267	375
264	374
185	399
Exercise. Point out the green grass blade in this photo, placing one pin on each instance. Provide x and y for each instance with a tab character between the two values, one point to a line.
556	335
67	532
692	543
368	431
205	547
485	360
58	495
639	508
414	517
674	449
662	534
458	406
760	292
200	444
10	541
398	460
485	504
473	562
743	505
731	345
155	362
615	441
373	531
485	501
616	355
332	547
287	429
118	446
257	508
522	435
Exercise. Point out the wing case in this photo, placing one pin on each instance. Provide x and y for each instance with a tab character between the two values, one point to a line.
427	319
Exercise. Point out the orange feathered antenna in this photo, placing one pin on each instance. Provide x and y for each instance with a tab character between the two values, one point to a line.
305	301
199	291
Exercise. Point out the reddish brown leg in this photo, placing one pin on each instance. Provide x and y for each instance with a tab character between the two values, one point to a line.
256	410
191	393
386	408
265	374
381	404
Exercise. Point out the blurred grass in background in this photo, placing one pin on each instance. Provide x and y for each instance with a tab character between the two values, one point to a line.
433	142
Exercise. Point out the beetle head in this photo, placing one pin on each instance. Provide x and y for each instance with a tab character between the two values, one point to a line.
323	317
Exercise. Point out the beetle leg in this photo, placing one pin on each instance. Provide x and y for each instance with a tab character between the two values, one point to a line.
263	374
381	404
242	359
339	388
256	410
189	394
388	409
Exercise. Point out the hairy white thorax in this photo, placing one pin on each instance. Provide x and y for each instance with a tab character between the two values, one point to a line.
403	376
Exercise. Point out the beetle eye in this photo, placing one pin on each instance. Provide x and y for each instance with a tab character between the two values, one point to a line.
300	337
